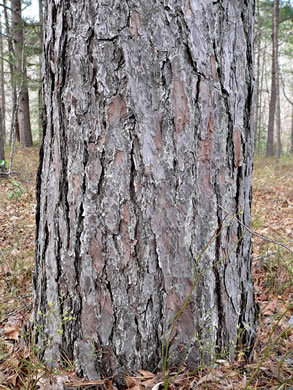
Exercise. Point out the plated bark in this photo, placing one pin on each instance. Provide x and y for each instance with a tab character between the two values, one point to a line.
147	136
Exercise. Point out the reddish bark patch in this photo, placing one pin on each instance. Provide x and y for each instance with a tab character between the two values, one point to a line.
188	10
181	109
206	187
96	252
134	23
205	151
118	158
237	147
117	110
206	144
88	320
213	67
174	302
158	137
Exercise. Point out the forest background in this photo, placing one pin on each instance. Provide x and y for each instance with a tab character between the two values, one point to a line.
20	138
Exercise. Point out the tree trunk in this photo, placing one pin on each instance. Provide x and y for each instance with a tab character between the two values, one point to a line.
40	95
148	138
292	131
2	80
261	136
21	75
270	137
12	70
257	86
278	115
2	99
2	140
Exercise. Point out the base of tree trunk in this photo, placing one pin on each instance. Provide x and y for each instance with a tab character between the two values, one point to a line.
147	153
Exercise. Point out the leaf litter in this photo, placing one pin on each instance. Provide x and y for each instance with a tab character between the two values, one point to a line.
272	214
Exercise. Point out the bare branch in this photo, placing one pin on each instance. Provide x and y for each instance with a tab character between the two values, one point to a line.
283	88
250	230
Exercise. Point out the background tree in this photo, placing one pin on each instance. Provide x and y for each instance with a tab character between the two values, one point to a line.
40	95
274	84
263	46
147	138
292	131
2	98
11	63
21	75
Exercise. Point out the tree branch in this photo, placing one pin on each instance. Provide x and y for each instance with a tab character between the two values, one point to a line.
283	88
253	232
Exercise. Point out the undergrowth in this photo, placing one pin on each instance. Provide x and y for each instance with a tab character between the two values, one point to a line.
272	367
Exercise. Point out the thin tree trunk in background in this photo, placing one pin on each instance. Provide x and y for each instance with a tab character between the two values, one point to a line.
11	56
40	97
23	104
260	119
272	111
2	139
2	98
2	81
292	131
258	70
148	135
278	115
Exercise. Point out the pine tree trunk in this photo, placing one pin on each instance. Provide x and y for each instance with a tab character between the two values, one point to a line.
278	114
261	109
257	87
40	94
292	131
148	138
2	81
21	75
12	70
2	98
272	110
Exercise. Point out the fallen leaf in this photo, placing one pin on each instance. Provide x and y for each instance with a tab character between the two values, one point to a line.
12	332
270	308
146	373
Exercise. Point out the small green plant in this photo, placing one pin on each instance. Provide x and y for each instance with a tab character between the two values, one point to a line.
278	267
270	344
16	190
3	164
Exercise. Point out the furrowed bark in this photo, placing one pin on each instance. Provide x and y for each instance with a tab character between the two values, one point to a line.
147	136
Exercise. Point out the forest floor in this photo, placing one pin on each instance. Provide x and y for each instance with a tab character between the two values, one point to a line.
272	367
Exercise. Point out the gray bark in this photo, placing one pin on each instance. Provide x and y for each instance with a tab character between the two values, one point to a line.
24	124
147	135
